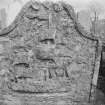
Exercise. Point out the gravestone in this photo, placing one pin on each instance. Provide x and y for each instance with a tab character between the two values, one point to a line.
46	58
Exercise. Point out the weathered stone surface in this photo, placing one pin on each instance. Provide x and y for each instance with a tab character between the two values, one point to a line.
47	59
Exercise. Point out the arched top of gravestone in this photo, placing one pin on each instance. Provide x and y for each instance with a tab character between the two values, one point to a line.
36	5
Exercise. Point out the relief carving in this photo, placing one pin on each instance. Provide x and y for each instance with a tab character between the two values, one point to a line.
38	61
46	52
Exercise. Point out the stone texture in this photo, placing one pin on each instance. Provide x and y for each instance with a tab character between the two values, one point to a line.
47	58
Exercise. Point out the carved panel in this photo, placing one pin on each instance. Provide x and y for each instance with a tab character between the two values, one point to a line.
47	53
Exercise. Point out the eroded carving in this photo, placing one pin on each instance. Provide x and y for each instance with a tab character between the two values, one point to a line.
45	46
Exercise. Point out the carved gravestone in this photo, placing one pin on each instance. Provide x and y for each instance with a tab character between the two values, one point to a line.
45	58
